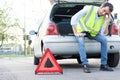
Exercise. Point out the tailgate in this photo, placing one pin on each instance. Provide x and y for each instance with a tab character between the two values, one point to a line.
92	46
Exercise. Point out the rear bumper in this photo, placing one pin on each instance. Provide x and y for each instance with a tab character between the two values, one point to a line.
68	45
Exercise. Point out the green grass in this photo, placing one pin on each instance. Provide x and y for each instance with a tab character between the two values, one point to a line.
15	55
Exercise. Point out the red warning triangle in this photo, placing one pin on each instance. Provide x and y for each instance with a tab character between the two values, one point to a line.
48	63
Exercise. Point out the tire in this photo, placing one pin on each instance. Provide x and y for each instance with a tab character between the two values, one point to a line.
36	60
79	61
113	59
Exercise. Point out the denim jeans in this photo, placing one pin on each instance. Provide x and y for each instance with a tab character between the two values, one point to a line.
100	38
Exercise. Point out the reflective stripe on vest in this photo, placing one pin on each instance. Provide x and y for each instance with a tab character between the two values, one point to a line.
82	25
88	16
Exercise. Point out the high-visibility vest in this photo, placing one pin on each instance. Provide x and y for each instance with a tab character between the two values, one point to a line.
87	23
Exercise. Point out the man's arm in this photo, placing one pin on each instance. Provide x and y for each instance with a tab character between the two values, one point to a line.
75	18
76	33
107	19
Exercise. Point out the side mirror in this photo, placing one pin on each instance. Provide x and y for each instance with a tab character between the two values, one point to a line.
32	32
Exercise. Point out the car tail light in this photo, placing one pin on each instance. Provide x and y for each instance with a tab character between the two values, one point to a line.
52	29
114	29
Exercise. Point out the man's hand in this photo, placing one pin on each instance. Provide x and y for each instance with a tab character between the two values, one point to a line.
76	33
80	34
107	19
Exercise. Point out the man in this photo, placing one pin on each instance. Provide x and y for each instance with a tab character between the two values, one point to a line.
88	22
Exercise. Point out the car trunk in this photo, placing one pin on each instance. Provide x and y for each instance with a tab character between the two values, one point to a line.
61	16
63	11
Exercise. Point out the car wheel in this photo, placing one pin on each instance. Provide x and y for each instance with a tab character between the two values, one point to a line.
113	59
36	60
79	61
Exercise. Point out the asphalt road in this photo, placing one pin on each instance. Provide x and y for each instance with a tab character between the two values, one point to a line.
23	69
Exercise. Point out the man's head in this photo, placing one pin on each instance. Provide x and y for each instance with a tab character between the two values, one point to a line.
105	9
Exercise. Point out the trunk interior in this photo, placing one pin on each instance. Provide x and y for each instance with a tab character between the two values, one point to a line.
61	15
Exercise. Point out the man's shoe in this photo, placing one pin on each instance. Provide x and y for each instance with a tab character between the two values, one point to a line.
105	68
86	69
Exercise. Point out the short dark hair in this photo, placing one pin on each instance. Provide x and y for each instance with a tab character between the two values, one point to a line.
109	5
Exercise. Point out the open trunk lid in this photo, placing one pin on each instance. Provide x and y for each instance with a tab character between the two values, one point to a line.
81	1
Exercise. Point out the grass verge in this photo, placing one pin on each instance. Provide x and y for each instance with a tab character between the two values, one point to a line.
15	55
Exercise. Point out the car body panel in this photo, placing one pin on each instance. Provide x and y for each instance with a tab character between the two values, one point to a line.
67	45
88	1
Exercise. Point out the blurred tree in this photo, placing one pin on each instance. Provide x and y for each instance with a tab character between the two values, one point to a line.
118	22
6	22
